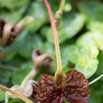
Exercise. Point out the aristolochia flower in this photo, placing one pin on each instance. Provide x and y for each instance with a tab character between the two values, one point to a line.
73	86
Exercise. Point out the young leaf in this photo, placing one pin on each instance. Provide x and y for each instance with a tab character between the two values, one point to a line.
87	66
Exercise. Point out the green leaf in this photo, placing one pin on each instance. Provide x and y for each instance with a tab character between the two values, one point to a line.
39	12
18	76
10	52
13	17
15	101
87	66
65	59
48	48
94	38
4	76
95	25
100	66
28	43
82	40
16	62
93	11
15	5
98	38
66	69
15	10
65	101
2	95
73	53
72	24
84	58
92	51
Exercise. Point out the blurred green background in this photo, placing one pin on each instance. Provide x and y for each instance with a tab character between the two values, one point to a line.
80	37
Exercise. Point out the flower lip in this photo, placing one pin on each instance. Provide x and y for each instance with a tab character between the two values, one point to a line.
75	89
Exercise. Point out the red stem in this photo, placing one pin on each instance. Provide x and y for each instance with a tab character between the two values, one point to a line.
59	66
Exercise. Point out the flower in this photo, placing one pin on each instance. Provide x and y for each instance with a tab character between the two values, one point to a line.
73	86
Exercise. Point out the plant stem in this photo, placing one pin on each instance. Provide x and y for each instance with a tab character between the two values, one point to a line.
59	66
8	67
31	75
96	79
16	94
62	5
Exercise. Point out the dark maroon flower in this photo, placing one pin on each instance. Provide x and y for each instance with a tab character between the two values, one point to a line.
73	86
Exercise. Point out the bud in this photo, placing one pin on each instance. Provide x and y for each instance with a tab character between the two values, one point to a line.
57	18
28	91
42	60
7	32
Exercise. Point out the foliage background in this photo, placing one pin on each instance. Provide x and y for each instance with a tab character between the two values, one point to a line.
81	21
